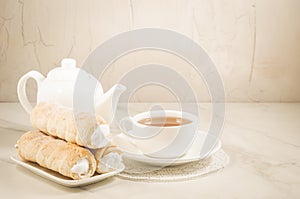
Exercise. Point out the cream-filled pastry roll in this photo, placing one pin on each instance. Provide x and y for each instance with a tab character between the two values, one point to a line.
108	159
81	128
58	155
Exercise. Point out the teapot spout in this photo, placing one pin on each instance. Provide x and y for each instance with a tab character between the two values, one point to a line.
107	104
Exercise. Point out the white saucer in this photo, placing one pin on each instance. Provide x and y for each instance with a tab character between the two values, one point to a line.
193	154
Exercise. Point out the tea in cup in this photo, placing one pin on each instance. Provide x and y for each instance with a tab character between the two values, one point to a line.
161	134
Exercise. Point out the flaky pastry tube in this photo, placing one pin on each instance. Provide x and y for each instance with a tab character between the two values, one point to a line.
65	158
108	159
81	128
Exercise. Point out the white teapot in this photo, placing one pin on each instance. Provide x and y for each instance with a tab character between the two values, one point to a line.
59	86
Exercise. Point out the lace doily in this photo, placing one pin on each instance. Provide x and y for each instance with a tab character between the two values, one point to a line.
140	172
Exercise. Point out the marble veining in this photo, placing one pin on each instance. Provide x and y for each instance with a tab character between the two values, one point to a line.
262	140
253	43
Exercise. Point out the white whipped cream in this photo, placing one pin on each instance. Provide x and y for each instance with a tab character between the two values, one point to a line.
111	161
81	168
99	137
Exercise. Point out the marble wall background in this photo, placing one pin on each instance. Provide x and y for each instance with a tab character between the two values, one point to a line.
255	44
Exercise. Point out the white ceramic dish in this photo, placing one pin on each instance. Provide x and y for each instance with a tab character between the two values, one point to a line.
169	162
58	178
131	151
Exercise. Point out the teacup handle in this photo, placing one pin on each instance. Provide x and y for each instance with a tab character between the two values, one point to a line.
38	77
122	125
125	131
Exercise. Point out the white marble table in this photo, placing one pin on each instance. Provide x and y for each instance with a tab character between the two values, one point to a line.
263	141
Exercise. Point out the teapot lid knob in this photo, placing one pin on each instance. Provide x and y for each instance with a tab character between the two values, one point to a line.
68	63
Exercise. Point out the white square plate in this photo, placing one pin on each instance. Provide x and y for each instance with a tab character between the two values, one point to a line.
58	178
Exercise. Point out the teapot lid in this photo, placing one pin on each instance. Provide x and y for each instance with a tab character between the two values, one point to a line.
67	72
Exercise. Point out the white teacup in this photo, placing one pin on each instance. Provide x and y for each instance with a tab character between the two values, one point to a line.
169	140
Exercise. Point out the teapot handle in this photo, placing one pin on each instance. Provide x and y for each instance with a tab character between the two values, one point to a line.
38	77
